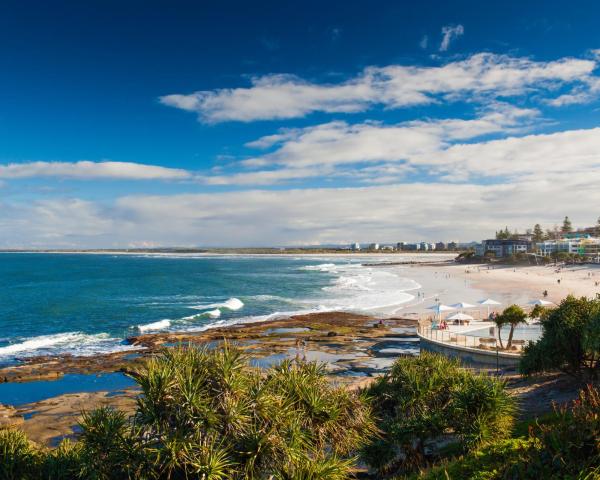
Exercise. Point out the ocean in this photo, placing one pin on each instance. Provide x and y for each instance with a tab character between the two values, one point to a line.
85	304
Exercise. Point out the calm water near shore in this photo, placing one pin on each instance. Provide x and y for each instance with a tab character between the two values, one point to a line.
29	392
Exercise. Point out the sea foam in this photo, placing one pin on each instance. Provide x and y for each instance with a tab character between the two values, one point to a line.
230	304
160	325
74	343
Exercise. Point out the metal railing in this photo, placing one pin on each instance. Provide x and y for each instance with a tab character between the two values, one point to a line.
461	340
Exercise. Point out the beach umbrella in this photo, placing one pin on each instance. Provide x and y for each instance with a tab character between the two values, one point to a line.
460	316
463	305
541	302
439	308
489	302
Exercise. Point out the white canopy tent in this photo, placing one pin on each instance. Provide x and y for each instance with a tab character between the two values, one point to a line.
440	308
488	302
464	305
541	302
461	317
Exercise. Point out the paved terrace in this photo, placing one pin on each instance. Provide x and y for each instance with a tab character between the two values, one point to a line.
457	335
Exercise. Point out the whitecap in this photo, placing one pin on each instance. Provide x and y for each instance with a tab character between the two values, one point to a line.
323	267
230	304
160	325
74	343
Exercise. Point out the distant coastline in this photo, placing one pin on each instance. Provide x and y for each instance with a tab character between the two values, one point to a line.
232	251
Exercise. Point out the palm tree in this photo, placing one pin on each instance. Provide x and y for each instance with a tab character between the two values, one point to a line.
513	316
499	321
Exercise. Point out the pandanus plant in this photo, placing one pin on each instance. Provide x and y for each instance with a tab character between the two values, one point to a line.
208	414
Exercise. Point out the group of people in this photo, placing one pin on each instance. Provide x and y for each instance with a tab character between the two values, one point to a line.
443	325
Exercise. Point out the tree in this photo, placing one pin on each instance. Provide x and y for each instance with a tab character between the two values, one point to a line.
513	316
567	227
503	234
570	340
425	398
538	233
499	321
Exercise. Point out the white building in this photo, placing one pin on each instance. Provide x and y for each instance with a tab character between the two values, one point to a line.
356	247
374	246
588	246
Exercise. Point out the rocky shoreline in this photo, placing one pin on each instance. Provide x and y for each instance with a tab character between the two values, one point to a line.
355	348
327	332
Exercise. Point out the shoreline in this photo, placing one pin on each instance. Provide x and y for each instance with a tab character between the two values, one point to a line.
528	281
355	347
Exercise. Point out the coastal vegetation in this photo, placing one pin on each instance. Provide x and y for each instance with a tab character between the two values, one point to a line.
570	340
562	445
428	402
208	414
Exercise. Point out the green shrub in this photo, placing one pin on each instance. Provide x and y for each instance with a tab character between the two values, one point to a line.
19	458
64	462
430	400
570	446
209	415
565	445
570	340
505	459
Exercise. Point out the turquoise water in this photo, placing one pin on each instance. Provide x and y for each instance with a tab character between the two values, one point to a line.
86	304
82	304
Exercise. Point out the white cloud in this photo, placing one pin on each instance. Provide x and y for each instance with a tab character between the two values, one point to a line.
424	41
375	153
534	156
91	170
479	77
337	143
272	217
580	94
449	33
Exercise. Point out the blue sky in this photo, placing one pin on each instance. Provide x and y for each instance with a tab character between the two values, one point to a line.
137	123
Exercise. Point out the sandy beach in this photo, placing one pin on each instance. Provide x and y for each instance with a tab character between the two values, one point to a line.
578	280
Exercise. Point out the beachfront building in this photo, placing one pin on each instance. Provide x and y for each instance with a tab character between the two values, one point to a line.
583	245
503	248
424	246
356	247
374	246
440	246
